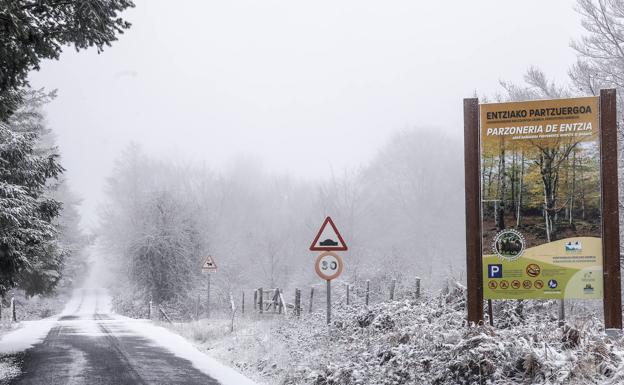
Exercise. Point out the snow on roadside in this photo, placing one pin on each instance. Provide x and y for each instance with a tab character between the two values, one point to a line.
26	334
23	336
29	333
179	346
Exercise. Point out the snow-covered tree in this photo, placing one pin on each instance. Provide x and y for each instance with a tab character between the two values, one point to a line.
40	228
30	256
33	30
601	51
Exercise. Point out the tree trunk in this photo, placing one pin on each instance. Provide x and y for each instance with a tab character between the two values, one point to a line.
500	209
520	188
513	180
548	181
572	189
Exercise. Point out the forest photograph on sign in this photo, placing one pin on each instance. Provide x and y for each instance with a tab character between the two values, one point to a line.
540	191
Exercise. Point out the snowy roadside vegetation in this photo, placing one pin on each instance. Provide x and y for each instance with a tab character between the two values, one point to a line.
416	341
36	307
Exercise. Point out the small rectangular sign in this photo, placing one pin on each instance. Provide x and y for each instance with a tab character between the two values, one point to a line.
541	199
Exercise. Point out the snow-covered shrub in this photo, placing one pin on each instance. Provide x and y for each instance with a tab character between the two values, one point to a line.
422	341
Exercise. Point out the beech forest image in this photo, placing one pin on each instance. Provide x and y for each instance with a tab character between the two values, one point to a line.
546	190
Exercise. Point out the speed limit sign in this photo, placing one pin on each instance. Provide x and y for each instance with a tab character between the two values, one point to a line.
329	265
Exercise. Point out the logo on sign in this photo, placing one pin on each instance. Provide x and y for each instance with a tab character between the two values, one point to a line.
495	271
574	246
533	270
553	283
508	244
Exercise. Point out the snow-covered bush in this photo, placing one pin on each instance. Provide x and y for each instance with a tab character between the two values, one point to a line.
421	341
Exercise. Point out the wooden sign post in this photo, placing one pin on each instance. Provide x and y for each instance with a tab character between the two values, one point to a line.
472	174
612	299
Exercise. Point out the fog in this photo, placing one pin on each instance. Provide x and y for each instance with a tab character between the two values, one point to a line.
302	88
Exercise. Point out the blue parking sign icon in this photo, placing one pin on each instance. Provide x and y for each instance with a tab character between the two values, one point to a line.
495	271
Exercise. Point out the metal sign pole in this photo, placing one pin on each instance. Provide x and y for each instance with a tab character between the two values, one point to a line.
328	301
208	299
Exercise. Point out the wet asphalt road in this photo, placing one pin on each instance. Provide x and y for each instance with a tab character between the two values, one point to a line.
91	348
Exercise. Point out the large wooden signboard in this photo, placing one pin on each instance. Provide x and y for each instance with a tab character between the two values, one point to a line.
540	199
541	204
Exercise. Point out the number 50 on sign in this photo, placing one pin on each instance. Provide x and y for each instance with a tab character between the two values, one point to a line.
329	265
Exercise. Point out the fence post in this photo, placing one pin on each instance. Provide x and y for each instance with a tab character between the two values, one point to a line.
197	308
392	286
348	300
14	314
260	300
282	302
255	301
311	299
367	291
561	312
164	315
297	302
149	310
417	287
243	304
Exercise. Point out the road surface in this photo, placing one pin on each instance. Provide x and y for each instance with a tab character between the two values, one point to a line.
89	345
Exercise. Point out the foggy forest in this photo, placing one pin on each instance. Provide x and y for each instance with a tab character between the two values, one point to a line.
130	256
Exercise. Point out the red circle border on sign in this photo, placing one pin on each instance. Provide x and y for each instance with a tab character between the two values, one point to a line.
318	268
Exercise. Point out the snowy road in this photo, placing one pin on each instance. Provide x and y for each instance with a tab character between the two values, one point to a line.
89	345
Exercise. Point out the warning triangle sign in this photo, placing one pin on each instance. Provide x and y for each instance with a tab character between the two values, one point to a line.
209	264
328	238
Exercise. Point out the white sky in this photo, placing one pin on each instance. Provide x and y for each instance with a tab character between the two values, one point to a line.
303	86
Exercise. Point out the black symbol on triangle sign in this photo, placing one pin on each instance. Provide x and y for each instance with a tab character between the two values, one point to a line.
209	263
333	243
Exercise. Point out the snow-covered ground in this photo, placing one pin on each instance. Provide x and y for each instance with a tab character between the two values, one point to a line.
424	341
408	341
20	336
88	314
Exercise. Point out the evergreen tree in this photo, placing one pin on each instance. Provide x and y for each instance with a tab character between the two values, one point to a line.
30	256
33	30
